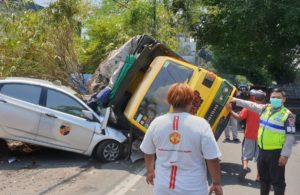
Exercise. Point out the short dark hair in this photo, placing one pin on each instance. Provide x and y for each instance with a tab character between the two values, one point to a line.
278	90
259	95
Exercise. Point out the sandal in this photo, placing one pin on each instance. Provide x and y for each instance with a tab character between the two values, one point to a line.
244	173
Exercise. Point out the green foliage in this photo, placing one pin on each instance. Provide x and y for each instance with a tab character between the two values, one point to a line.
241	79
20	48
40	43
113	24
71	36
255	38
188	11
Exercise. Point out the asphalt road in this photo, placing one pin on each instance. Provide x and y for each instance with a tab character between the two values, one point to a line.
57	172
231	166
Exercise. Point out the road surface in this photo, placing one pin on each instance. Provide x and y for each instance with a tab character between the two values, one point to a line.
50	171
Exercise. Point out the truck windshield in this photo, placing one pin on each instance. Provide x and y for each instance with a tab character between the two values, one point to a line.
154	102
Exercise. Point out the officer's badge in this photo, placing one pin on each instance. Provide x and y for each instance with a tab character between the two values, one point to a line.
291	120
174	137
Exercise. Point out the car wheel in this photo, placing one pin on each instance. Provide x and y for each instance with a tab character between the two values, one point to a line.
3	146
108	151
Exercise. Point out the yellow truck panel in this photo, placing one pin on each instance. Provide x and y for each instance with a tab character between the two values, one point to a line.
149	98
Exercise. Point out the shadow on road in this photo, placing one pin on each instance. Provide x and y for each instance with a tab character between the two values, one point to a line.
230	173
41	159
47	158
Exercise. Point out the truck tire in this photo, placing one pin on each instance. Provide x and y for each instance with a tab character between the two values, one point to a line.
108	151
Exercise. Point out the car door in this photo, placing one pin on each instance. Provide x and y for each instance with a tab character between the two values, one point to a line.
19	110
62	123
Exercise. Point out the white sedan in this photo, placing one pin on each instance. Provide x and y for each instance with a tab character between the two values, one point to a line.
42	113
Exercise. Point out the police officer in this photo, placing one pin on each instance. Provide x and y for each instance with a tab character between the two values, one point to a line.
276	136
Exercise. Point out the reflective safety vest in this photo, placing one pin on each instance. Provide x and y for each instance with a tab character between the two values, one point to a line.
271	132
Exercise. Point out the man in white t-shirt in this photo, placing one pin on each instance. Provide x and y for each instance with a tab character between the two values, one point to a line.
183	144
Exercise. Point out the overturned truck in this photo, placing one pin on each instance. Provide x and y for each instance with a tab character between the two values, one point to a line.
140	74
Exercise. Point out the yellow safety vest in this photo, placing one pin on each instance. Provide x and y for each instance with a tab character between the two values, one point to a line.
271	132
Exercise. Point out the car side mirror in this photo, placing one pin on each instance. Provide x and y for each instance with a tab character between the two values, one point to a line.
88	114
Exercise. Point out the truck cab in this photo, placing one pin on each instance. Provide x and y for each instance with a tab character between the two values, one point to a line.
149	98
139	94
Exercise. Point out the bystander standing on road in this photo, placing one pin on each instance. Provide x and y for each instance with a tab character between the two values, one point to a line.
249	145
183	144
233	125
276	136
233	128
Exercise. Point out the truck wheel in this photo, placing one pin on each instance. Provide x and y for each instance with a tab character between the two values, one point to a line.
3	146
108	151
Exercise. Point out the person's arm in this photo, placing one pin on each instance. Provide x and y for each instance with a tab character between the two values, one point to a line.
211	154
213	166
233	114
258	108
148	147
149	162
289	140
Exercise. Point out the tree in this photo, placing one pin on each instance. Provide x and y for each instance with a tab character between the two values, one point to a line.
70	36
113	24
258	39
40	43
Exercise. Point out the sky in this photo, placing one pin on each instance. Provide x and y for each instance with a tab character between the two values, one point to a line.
45	3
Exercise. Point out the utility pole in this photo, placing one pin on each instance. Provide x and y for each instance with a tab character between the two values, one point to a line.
154	18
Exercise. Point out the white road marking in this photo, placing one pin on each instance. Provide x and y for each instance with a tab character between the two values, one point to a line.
129	181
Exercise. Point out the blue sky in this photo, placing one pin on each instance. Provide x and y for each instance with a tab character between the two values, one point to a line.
45	3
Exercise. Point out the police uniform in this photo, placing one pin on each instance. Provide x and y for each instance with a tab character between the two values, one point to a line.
275	139
274	127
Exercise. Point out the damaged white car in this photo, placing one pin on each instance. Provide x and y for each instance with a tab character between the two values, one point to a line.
42	113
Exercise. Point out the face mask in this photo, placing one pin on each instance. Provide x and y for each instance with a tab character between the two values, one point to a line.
276	103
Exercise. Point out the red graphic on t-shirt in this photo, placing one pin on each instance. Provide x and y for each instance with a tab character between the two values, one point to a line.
175	138
196	102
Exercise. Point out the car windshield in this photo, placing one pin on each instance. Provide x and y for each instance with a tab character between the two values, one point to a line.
154	102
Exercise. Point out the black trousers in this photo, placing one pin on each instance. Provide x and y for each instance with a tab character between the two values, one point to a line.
270	172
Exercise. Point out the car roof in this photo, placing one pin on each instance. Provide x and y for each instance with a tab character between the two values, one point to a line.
54	85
